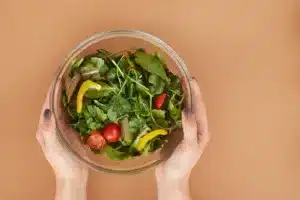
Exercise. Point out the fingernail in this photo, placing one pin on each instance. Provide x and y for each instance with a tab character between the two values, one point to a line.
194	79
47	114
188	111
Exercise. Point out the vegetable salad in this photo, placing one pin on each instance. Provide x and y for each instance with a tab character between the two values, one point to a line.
123	104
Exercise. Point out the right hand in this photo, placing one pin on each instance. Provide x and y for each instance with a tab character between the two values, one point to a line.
195	139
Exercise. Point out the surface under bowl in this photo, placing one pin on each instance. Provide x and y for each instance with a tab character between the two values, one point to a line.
116	41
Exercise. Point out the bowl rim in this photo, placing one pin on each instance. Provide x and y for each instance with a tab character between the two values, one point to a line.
106	35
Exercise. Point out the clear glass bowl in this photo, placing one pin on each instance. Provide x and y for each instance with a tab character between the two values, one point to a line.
115	41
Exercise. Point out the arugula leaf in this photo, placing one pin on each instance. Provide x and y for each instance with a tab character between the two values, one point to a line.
151	64
174	86
142	107
175	112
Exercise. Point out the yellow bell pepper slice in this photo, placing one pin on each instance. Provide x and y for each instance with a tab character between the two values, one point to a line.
149	136
82	90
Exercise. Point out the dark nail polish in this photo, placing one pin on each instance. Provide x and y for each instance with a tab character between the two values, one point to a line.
194	79
187	111
47	114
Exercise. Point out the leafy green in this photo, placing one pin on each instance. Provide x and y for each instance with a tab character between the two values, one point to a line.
76	63
111	74
142	107
174	111
126	134
106	90
130	80
119	106
114	154
151	64
158	84
98	63
159	114
135	125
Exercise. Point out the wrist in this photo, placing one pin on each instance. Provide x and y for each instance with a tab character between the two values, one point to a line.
70	188
173	188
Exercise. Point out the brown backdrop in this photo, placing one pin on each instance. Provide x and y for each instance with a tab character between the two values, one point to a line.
245	55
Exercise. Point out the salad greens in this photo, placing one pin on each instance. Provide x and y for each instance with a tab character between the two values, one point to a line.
124	104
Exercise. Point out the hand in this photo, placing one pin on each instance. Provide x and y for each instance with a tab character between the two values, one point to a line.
175	171
71	175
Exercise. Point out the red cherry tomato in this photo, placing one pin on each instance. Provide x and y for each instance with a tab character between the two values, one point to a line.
112	132
159	100
96	140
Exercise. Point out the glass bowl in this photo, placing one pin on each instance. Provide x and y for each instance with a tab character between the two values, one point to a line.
115	41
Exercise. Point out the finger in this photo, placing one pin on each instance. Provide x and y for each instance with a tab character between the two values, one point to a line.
46	104
46	123
40	139
198	108
189	126
47	126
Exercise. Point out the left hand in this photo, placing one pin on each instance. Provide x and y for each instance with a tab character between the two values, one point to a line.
63	163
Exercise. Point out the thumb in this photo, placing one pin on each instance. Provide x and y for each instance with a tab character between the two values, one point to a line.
189	126
46	130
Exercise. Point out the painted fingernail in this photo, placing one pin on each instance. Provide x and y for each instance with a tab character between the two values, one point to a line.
188	111
194	79
47	114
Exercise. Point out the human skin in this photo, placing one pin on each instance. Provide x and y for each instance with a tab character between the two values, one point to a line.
172	175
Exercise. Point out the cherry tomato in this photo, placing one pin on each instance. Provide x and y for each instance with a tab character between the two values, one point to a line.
112	132
159	100
96	140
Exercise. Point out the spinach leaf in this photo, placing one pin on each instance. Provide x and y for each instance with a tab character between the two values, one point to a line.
102	106
159	114
151	64
159	124
99	64
118	107
114	154
135	125
77	62
159	119
158	84
96	113
106	90
82	127
111	74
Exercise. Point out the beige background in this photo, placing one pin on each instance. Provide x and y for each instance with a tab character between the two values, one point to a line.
245	55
